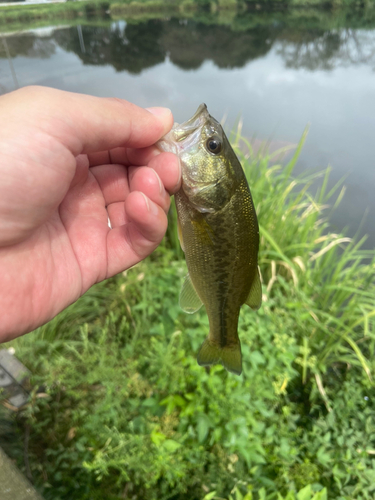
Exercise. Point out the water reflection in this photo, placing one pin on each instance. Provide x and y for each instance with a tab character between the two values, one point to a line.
329	50
29	45
126	47
136	47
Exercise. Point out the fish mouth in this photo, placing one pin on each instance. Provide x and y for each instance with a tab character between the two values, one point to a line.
185	135
186	129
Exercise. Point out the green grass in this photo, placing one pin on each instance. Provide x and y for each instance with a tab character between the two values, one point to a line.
121	409
67	10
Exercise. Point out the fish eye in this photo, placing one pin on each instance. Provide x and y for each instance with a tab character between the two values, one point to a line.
214	145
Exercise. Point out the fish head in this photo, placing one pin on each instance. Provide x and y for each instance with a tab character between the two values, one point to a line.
205	156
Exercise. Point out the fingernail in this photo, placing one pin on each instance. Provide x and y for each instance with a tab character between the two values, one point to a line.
161	187
146	201
177	186
151	206
160	112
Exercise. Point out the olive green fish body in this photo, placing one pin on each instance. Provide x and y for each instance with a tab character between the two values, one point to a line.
219	234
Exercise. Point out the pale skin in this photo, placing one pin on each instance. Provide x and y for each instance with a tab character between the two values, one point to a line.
67	163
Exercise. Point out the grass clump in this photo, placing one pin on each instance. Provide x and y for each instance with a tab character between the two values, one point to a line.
328	278
122	410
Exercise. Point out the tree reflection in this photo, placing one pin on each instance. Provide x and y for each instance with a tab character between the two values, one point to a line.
29	45
301	42
190	44
126	47
134	47
328	50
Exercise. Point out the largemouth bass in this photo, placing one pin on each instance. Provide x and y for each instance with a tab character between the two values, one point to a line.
218	231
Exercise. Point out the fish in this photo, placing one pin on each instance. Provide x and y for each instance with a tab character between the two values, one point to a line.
219	233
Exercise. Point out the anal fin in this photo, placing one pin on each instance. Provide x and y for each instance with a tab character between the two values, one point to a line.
189	299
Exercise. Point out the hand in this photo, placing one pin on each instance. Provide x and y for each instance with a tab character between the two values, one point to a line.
67	163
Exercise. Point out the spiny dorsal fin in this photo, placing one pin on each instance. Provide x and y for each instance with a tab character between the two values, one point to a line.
254	299
189	299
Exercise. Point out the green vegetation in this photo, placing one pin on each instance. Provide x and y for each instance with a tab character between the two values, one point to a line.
121	409
57	12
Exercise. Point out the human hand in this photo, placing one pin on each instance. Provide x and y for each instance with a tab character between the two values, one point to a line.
67	163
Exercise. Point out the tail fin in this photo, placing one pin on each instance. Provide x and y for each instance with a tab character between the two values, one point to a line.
230	356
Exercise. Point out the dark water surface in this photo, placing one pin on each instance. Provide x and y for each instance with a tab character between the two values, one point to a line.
278	71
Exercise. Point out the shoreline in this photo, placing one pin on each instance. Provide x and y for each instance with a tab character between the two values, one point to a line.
210	11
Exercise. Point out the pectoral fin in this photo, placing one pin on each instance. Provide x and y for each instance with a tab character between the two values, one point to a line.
189	299
254	299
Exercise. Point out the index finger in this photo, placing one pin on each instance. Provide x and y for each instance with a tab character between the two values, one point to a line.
124	156
87	124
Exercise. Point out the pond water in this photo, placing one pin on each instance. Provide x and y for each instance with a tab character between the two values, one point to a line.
279	72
